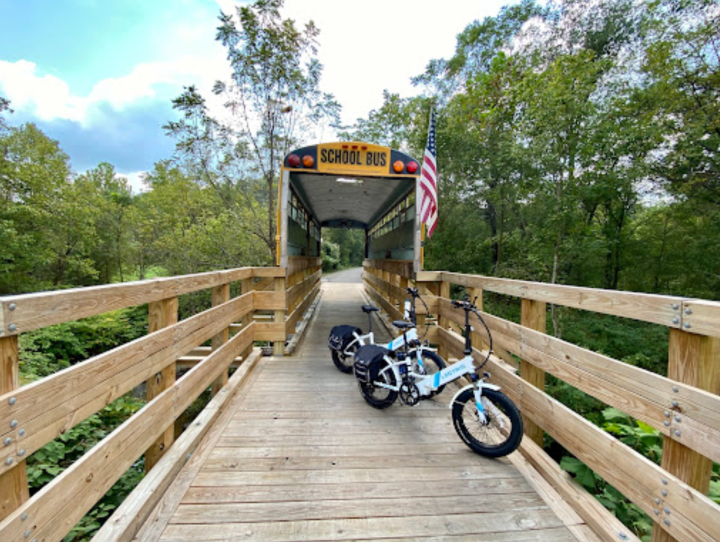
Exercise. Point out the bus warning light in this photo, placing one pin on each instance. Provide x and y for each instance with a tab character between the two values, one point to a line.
293	160
398	166
412	167
308	161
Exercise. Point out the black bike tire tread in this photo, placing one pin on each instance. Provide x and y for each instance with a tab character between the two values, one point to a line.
378	403
339	364
513	441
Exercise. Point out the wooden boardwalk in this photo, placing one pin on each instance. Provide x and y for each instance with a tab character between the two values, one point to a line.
299	455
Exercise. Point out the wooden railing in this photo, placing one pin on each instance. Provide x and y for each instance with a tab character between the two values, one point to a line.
41	411
683	406
303	285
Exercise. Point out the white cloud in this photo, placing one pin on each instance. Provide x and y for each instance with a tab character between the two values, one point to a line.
135	179
47	97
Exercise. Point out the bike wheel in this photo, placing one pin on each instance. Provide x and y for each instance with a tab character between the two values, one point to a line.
344	362
501	434
377	396
432	363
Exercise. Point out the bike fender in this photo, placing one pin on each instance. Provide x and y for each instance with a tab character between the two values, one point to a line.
469	387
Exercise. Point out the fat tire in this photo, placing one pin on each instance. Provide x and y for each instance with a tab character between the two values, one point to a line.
488	449
368	391
340	360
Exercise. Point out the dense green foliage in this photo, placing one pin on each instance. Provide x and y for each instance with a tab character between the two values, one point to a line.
342	248
578	143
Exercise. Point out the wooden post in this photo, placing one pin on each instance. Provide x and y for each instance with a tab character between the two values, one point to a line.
533	316
694	360
443	322
220	294
162	313
13	483
279	346
403	284
247	286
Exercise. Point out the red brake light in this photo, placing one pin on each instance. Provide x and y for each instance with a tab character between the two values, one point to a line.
293	160
412	167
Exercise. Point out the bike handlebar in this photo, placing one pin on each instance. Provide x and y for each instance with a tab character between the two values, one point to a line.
412	291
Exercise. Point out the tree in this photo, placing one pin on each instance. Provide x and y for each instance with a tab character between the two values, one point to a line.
112	200
273	97
681	68
46	222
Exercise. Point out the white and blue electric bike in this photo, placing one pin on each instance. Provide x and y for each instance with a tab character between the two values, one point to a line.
345	341
484	417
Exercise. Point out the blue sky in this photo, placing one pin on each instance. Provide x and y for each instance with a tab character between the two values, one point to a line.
98	75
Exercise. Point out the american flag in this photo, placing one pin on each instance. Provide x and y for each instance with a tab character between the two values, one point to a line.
428	181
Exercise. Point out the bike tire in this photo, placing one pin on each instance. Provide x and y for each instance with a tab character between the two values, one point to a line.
433	363
378	397
488	440
343	362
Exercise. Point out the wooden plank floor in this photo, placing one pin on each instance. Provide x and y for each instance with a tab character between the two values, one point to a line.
301	456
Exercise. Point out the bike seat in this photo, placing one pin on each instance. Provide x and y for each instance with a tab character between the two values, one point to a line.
402	324
369	308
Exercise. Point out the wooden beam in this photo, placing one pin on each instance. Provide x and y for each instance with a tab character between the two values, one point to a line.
42	309
279	345
47	408
596	516
162	314
695	360
643	395
533	316
220	294
247	286
443	321
657	309
129	517
13	483
694	517
57	507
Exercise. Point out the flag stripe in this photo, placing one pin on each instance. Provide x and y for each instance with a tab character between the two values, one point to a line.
428	181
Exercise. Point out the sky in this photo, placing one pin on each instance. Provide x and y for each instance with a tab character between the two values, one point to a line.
99	75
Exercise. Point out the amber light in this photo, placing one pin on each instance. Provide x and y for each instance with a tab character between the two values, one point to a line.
412	167
308	161
398	166
293	160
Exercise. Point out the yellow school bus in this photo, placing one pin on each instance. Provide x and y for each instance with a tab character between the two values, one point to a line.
349	185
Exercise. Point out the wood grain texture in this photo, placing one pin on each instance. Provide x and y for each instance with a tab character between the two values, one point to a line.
220	295
49	407
127	519
658	309
695	360
643	395
42	309
13	482
161	314
305	458
694	515
57	507
533	315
